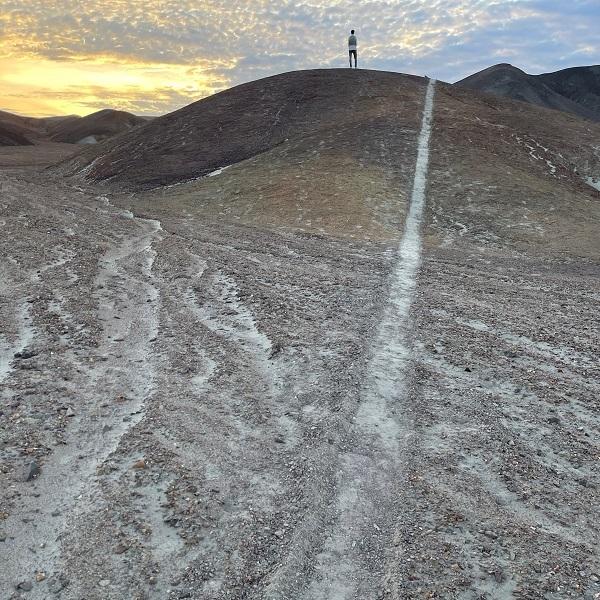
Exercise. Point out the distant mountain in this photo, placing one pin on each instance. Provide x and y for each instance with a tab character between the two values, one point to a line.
575	90
12	134
16	130
96	127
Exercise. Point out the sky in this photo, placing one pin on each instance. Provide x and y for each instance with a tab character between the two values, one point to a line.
154	56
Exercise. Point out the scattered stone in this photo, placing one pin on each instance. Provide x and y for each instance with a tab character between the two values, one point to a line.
104	582
30	471
40	576
121	548
279	533
57	583
279	439
139	464
554	420
25	586
25	354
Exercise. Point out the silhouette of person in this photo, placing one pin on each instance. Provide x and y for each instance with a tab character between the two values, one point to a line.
353	49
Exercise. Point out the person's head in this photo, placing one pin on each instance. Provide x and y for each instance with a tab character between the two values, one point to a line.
352	32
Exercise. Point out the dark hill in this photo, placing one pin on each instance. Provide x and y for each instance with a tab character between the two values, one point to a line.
95	127
579	84
575	91
243	122
12	134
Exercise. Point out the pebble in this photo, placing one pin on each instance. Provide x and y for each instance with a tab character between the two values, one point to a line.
30	471
139	464
121	548
104	582
57	584
25	586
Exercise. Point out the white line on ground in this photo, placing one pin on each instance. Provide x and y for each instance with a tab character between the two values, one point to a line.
367	475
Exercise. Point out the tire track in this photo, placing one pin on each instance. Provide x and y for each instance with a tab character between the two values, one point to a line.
111	402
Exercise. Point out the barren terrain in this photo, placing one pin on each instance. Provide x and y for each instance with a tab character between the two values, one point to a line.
359	363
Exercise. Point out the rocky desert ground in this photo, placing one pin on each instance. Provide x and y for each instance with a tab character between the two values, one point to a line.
351	353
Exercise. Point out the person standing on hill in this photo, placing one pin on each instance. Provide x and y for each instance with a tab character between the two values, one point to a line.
353	49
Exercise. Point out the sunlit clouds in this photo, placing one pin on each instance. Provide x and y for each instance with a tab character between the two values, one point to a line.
150	57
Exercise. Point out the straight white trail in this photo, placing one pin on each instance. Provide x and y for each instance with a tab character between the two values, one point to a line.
350	563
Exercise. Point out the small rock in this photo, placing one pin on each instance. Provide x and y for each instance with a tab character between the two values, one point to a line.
279	439
57	584
25	586
25	354
468	369
139	464
104	582
30	471
554	420
279	533
121	548
40	576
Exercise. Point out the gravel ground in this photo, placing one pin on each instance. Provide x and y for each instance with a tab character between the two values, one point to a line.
185	395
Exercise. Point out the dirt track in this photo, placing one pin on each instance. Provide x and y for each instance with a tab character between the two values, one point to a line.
196	394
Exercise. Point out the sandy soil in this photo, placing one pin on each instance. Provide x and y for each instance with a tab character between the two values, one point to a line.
225	401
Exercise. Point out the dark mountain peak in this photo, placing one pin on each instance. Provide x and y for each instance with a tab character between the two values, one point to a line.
575	90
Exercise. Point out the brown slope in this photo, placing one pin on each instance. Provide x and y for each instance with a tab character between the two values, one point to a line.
240	123
511	82
20	130
14	135
99	126
336	172
16	130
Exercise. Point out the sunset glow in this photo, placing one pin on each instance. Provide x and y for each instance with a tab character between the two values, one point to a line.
63	57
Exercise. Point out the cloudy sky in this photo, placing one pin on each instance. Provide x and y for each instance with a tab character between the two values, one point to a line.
153	56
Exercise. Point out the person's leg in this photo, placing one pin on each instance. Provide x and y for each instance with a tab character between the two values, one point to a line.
352	53
356	59
350	57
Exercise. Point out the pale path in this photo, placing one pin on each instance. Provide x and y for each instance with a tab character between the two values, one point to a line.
349	565
127	308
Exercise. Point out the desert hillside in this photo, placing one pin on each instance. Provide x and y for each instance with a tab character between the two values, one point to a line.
575	90
96	127
16	130
331	335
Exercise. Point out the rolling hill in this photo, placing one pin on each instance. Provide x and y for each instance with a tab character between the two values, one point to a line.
576	90
328	335
96	127
16	130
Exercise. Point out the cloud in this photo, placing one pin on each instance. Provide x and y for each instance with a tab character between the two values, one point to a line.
221	43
